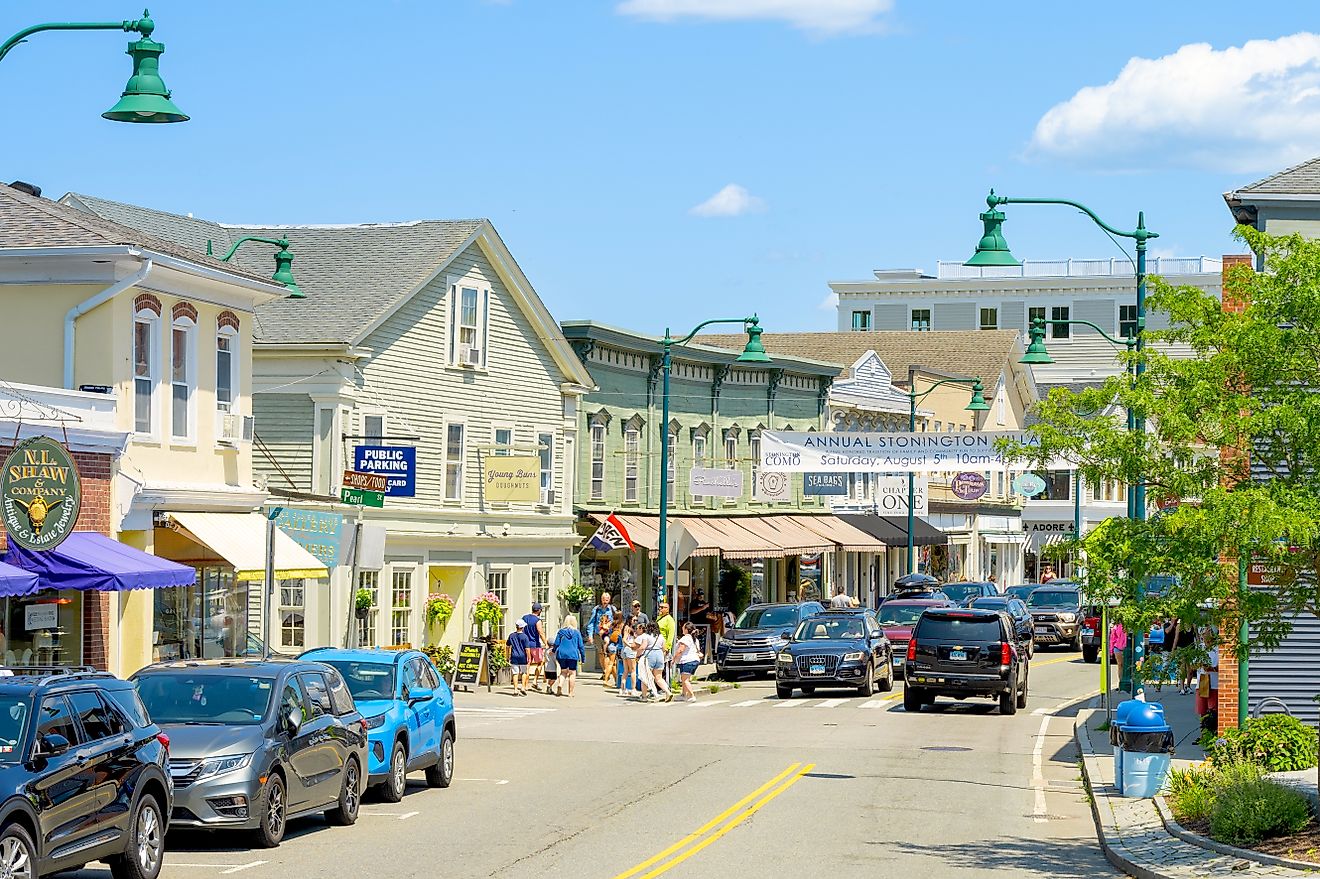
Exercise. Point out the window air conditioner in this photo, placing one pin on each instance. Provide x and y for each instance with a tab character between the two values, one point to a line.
235	429
471	356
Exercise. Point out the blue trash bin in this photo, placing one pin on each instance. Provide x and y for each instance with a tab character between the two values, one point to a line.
1147	746
1121	714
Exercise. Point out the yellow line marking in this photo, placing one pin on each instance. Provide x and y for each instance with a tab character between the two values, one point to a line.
752	810
703	829
1053	661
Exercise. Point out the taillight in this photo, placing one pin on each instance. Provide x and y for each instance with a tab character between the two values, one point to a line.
912	650
362	722
164	740
1005	654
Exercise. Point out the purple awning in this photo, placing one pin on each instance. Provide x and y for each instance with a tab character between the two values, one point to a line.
16	581
92	562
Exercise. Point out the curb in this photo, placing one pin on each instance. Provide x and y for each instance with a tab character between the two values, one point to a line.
1171	824
1082	735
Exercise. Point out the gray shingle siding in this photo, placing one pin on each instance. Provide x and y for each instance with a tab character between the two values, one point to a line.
1102	312
954	316
283	428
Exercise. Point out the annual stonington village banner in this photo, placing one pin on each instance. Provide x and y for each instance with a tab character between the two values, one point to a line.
796	452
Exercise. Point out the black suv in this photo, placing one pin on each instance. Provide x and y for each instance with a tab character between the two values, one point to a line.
836	648
757	635
83	775
965	652
1017	610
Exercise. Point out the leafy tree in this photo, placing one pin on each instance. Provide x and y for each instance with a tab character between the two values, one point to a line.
1226	381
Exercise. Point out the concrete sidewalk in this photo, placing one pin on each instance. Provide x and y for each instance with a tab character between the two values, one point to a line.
1132	833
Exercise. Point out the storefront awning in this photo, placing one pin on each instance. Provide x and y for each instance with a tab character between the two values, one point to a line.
16	581
847	537
240	539
785	532
893	531
92	562
1041	539
743	542
1007	537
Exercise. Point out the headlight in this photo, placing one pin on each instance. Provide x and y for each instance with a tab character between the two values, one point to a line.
786	657
220	765
375	721
855	656
1068	617
779	642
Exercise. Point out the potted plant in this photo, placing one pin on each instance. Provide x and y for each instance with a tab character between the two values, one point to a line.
487	614
362	603
439	608
500	671
443	660
574	595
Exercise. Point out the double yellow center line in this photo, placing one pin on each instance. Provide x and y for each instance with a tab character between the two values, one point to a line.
725	821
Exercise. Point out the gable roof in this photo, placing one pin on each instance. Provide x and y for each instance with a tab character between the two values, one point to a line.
1300	179
981	353
29	221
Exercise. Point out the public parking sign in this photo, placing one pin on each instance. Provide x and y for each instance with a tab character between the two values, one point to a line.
398	464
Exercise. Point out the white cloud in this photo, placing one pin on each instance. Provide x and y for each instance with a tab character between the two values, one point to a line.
823	17
731	201
1254	107
830	302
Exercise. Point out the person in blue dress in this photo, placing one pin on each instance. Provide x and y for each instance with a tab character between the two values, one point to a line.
569	650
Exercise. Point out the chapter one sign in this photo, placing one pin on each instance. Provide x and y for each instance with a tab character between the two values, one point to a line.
798	452
40	493
891	495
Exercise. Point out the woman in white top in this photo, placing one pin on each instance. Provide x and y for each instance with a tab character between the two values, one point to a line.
686	659
651	662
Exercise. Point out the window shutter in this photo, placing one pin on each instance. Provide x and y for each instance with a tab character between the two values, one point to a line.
453	323
485	325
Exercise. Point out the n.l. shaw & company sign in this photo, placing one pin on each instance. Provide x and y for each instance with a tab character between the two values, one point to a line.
40	493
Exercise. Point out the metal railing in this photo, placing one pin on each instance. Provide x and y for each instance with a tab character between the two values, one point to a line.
1080	268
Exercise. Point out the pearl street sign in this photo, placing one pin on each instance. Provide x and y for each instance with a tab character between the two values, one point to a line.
40	493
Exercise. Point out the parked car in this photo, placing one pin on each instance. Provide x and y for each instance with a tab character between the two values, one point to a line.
1016	608
964	593
84	775
1057	613
915	586
836	648
1091	633
409	710
897	619
965	652
255	743
1022	590
758	634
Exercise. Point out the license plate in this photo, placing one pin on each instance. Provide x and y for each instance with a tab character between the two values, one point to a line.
898	660
957	655
1044	630
1088	632
816	670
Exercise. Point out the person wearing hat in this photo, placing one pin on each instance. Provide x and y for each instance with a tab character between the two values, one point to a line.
518	644
536	645
642	619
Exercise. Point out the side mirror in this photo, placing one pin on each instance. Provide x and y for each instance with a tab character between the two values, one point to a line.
293	720
52	745
421	694
786	635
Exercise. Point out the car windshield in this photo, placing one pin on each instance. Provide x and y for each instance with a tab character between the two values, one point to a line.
13	721
1049	598
206	698
767	618
366	680
940	628
900	614
820	629
1021	591
960	591
992	602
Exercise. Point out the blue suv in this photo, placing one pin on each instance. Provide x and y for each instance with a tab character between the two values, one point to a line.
409	710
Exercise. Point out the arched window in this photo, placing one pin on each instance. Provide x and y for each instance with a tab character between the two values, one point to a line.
226	369
700	453
599	421
183	376
146	367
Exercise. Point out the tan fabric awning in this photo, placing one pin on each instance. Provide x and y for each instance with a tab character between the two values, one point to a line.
850	539
744	543
707	535
240	539
792	538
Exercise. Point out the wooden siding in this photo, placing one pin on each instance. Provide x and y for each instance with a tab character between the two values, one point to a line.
283	446
1102	312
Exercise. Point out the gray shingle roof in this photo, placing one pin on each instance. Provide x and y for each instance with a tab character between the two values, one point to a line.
351	274
983	353
1302	179
31	221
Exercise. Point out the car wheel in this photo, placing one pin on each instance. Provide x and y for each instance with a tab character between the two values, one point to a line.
912	699
808	689
271	830
783	692
887	683
350	796
1075	644
1008	702
396	781
868	685
1022	694
18	853
146	844
441	774
1090	653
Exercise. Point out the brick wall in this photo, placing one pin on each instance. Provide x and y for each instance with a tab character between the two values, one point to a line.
94	515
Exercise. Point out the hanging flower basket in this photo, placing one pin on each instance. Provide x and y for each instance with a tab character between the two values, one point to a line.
487	614
439	609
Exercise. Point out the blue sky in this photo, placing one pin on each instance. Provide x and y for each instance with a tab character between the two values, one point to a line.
824	138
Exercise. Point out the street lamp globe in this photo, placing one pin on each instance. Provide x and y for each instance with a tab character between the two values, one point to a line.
284	271
754	350
992	249
145	98
978	403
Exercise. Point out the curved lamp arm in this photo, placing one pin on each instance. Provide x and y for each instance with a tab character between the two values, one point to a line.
668	340
947	381
142	26
283	261
1038	331
1141	234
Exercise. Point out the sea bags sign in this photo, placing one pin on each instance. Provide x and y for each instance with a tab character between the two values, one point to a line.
40	493
798	452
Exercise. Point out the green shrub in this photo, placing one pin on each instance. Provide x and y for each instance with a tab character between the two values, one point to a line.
1192	793
1277	742
1245	812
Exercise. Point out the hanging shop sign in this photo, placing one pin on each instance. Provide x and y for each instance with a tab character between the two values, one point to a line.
970	486
891	495
772	488
314	531
40	493
798	452
1028	484
711	482
511	479
397	463
825	484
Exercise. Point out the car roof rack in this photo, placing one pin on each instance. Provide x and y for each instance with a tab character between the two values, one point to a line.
48	673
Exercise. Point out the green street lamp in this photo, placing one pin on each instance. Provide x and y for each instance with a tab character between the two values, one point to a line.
977	404
145	98
283	261
753	352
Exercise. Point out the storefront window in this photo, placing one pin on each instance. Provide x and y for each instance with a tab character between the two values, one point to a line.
206	620
809	578
370	581
292	621
1058	486
45	629
401	615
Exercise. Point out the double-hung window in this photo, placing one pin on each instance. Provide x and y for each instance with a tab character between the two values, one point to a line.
1059	330
541	586
731	450
1127	321
401	608
546	452
370	581
597	461
455	451
469	315
673	460
292	613
373	428
632	440
921	319
861	320
990	318
698	460
1035	313
754	451
183	377
503	441
226	370
145	371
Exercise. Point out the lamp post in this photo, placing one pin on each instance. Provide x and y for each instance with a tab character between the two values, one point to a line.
145	98
283	261
753	352
992	250
977	404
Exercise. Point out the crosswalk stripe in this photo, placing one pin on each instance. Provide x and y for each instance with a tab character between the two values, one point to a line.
872	703
706	703
830	703
748	702
501	712
791	703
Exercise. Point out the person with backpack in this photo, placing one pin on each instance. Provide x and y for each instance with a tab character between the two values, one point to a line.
536	649
569	651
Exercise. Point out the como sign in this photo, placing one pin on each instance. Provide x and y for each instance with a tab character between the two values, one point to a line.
40	494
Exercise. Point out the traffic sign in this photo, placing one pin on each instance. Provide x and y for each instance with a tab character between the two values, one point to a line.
375	482
362	498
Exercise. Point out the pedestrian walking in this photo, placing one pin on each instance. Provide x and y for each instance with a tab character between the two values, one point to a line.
604	611
518	644
1117	644
1184	642
628	656
840	598
668	626
686	659
652	662
1207	678
642	619
610	630
1046	575
569	651
536	649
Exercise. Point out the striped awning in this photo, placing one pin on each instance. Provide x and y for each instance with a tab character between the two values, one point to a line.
845	536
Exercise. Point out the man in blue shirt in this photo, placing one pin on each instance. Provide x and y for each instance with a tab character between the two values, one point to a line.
536	645
603	612
518	657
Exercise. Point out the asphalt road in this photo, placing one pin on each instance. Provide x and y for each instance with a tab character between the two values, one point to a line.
601	787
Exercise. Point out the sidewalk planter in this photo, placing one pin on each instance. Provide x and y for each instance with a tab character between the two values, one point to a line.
1147	749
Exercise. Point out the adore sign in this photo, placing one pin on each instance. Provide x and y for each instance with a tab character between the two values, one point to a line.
40	493
797	452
